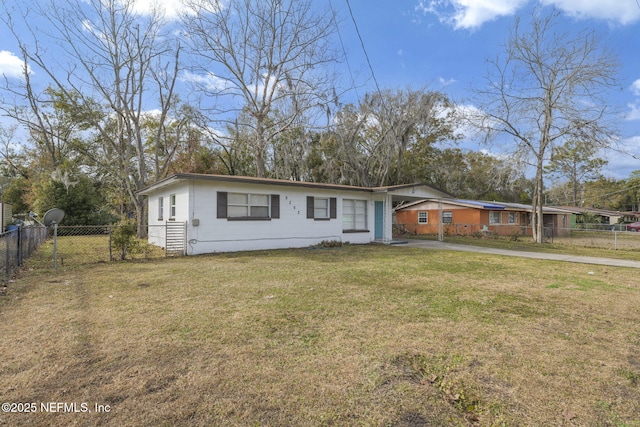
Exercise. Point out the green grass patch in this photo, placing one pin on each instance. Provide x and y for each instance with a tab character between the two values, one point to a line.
355	335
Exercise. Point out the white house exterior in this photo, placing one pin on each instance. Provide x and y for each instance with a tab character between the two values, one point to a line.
224	213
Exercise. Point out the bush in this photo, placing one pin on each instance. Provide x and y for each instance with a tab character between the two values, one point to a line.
327	244
123	238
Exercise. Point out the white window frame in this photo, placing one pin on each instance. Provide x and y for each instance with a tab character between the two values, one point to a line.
321	206
513	217
492	219
251	206
447	217
160	208
354	215
172	206
423	217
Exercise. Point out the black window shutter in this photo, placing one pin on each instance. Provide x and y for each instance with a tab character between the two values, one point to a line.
332	207
222	204
275	206
309	206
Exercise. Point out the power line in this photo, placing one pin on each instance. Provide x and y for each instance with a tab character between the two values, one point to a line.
344	51
366	55
601	196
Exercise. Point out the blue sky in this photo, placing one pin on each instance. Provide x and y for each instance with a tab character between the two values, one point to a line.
444	44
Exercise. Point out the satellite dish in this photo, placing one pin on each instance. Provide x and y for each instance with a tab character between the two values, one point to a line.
53	215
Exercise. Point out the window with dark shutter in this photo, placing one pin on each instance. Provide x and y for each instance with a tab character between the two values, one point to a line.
321	208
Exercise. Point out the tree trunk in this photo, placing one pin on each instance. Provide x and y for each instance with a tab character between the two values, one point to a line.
260	148
537	215
141	215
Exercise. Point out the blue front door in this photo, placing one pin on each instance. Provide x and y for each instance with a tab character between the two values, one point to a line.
379	220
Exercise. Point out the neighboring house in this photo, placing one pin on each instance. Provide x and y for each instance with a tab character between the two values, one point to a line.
607	217
6	214
464	217
220	213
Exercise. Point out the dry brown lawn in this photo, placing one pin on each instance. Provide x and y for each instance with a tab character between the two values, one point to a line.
356	336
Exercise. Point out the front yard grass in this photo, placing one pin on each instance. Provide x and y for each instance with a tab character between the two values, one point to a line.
356	336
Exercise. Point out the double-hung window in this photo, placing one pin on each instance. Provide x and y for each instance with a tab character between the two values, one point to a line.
494	217
244	205
160	208
247	206
447	217
354	215
423	217
172	206
513	217
320	207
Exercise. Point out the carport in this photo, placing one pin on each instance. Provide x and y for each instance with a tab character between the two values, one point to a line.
397	194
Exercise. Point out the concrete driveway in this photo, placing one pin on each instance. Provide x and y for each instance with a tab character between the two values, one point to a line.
432	244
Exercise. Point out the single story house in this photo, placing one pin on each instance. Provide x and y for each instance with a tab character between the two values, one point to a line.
465	217
604	216
222	213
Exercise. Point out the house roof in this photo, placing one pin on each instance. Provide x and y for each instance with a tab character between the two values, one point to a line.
602	212
483	205
479	204
269	181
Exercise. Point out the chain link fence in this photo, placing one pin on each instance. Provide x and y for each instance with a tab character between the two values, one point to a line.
74	246
597	236
17	245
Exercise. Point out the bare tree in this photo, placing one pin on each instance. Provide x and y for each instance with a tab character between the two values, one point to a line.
264	56
550	87
370	141
11	161
112	67
402	117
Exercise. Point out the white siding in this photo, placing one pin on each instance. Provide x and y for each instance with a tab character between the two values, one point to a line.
156	225
197	200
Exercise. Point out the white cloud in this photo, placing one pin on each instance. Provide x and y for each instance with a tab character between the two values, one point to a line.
472	14
621	11
634	112
635	87
623	159
210	81
10	64
170	8
445	82
469	14
469	118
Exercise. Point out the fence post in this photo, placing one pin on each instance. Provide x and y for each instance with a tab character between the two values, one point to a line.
7	237
110	243
19	231
55	246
